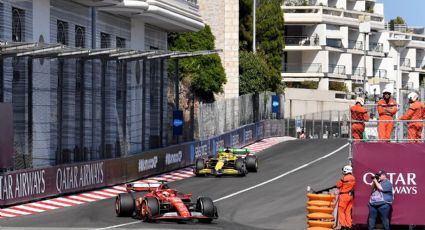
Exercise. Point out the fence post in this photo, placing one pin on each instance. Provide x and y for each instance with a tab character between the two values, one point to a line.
313	119
321	123
339	124
287	127
330	125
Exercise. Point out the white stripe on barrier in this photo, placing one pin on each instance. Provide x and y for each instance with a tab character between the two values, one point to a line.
69	200
104	193
6	214
56	203
113	191
30	208
43	206
94	196
16	211
82	198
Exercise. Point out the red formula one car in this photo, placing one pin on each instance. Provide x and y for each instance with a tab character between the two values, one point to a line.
156	201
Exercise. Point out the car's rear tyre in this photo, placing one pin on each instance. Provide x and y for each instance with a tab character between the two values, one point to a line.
206	206
199	165
124	205
241	167
149	209
251	163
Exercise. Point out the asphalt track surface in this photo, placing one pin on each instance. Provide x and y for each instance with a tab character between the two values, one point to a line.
277	202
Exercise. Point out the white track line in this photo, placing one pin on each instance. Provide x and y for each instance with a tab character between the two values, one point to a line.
282	175
117	226
250	188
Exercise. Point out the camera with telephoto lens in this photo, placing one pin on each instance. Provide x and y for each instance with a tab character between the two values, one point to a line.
375	176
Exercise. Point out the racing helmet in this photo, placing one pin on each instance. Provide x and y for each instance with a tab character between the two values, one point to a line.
413	96
360	100
347	169
165	193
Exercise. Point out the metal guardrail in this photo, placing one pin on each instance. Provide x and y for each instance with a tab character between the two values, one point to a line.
336	43
359	71
337	69
302	40
399	134
303	68
356	45
376	47
380	73
405	62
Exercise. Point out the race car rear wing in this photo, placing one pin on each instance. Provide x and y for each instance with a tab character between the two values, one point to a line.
142	186
236	150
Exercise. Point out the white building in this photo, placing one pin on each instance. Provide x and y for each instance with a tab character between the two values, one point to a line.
76	109
323	44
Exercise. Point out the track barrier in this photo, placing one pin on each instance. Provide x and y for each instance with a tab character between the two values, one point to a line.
320	209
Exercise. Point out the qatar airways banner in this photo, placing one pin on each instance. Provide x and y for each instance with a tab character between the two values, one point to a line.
404	164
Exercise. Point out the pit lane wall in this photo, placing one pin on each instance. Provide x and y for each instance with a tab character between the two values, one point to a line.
28	185
404	164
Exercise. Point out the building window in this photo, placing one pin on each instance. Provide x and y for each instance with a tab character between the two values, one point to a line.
62	36
18	22
120	42
80	33
105	40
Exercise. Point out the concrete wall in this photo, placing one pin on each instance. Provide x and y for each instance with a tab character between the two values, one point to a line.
307	101
223	17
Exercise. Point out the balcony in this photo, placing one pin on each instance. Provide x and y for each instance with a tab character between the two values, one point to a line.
376	47
337	69
380	73
170	15
405	62
329	15
359	71
420	65
302	40
355	45
302	68
332	42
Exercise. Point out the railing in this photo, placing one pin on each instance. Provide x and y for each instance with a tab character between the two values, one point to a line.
302	68
332	42
359	71
405	62
377	47
420	64
342	13
380	73
336	69
399	134
302	40
356	45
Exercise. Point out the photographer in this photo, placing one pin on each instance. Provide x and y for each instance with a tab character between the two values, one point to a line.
380	200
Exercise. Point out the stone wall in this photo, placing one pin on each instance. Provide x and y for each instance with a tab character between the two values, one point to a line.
223	17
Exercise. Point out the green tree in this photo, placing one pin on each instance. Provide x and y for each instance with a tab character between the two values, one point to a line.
399	20
205	74
256	76
245	25
270	43
270	28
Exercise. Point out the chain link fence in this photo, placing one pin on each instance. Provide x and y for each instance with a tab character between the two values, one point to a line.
321	125
225	115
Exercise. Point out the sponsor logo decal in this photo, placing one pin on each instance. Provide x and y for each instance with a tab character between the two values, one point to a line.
201	151
22	184
148	164
403	183
173	158
79	176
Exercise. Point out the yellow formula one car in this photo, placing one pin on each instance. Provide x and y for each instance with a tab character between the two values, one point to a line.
229	161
